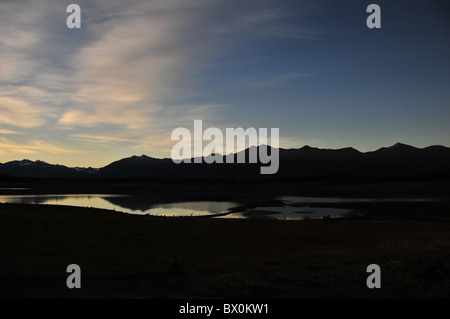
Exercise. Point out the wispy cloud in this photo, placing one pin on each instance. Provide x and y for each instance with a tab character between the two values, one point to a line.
34	146
100	139
20	113
5	131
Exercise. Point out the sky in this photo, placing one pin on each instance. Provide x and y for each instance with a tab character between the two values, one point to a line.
136	70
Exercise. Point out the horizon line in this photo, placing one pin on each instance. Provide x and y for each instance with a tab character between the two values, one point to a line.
279	148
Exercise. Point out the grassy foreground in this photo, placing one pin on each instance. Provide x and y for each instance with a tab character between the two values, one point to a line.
126	256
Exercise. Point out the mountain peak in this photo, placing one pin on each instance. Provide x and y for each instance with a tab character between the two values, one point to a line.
399	145
308	148
396	150
24	162
143	156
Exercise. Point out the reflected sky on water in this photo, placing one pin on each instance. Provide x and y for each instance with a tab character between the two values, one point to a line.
287	207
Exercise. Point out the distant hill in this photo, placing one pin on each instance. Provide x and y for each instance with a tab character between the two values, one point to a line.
27	168
136	166
398	160
307	152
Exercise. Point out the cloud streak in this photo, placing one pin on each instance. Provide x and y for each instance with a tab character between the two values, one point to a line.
100	139
4	131
32	147
20	113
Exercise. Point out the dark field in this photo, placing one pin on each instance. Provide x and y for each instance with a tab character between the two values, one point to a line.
125	256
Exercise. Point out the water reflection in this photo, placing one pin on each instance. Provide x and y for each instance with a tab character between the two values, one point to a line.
126	204
292	213
310	213
294	200
286	207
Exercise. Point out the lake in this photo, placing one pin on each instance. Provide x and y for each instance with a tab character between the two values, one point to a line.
284	207
127	204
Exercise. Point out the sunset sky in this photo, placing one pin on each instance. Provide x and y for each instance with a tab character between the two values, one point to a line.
136	70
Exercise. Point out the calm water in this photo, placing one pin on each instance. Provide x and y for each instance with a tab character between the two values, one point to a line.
288	207
126	204
290	213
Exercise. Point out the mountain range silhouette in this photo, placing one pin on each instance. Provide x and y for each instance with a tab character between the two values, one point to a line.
398	160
